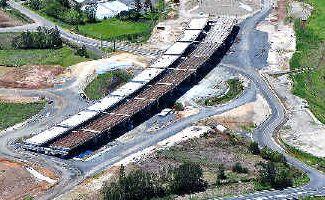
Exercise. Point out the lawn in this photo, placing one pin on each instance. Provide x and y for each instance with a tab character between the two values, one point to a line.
17	57
105	83
12	113
310	53
111	29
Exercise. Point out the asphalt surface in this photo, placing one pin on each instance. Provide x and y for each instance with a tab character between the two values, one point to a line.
72	37
66	101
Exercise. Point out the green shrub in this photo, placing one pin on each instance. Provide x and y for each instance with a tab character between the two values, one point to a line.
137	185
178	106
271	155
3	3
187	178
276	175
239	168
253	148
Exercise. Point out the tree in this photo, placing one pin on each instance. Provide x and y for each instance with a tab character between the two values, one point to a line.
221	172
239	168
35	4
271	155
148	5
179	106
187	178
137	8
83	52
253	148
90	11
3	3
276	175
72	17
137	185
43	38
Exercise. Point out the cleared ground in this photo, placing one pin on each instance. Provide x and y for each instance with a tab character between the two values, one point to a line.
32	77
8	21
16	182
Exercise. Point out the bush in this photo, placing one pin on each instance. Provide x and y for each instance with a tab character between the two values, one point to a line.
276	175
221	172
137	185
253	148
187	179
43	38
179	106
239	168
271	155
82	52
35	4
3	3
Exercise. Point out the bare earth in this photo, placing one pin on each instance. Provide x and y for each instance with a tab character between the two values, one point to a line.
31	77
16	182
251	114
302	130
7	21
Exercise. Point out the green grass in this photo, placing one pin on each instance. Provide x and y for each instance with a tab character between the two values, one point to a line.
18	57
316	162
111	29
235	89
300	180
310	53
106	82
12	113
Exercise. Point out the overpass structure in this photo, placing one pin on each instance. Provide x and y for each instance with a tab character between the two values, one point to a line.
187	61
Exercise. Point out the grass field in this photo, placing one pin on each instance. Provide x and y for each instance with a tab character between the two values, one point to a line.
104	83
12	113
64	57
111	29
310	53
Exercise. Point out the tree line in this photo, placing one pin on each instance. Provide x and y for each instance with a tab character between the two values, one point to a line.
140	185
42	38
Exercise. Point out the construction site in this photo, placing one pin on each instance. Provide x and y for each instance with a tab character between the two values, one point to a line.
202	45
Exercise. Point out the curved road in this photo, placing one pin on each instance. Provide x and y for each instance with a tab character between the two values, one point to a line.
72	37
240	62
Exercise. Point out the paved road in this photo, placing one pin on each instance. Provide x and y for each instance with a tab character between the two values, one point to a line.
72	37
265	132
240	61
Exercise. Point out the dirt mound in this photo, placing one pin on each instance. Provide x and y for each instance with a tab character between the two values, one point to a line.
7	21
30	77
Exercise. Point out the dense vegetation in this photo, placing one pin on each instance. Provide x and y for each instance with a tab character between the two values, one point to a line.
235	89
276	172
310	85
105	83
140	185
43	38
134	25
13	113
11	55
